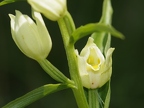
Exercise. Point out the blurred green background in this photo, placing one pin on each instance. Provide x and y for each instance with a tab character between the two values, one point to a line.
19	74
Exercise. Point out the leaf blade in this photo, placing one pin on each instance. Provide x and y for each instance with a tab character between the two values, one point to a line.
95	27
4	2
105	93
35	95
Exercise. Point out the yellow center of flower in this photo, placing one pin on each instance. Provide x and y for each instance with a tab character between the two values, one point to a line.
94	63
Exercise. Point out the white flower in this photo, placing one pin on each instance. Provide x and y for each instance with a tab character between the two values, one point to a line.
52	9
31	38
94	69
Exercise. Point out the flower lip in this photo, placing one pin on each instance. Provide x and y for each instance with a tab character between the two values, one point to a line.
93	61
93	56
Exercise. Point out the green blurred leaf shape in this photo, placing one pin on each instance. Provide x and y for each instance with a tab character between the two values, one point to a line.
105	93
95	27
35	95
4	2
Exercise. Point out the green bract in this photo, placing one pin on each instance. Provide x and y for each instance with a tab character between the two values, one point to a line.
32	38
95	69
52	9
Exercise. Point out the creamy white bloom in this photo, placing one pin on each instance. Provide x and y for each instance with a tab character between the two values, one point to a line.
32	38
94	69
52	9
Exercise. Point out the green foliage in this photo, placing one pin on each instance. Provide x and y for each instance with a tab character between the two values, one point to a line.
95	27
104	93
35	95
4	2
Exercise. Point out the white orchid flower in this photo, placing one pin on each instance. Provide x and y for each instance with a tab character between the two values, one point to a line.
52	9
94	69
32	38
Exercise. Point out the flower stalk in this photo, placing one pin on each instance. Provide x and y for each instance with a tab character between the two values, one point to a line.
93	98
55	73
72	62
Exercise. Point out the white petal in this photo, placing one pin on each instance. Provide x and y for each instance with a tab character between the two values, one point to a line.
105	77
109	53
86	81
52	9
12	17
83	71
88	44
108	62
26	34
43	34
82	65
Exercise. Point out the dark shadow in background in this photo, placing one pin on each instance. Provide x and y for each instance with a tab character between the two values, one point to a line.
19	74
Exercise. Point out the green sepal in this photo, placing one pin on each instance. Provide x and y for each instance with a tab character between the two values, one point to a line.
4	2
35	95
104	93
95	27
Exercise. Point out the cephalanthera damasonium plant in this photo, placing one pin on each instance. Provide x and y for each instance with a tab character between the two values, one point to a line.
90	69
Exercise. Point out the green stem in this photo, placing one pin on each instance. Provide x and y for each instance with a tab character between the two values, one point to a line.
72	62
93	98
69	23
55	73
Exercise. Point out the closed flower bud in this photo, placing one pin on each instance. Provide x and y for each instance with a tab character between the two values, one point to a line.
31	38
94	69
52	9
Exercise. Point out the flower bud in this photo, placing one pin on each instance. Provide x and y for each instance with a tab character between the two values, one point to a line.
31	38
52	9
94	69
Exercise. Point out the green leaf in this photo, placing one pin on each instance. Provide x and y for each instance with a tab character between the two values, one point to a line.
35	95
105	92
107	12
4	2
95	27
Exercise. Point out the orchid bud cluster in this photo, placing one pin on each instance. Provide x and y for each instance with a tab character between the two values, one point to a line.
90	69
33	39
